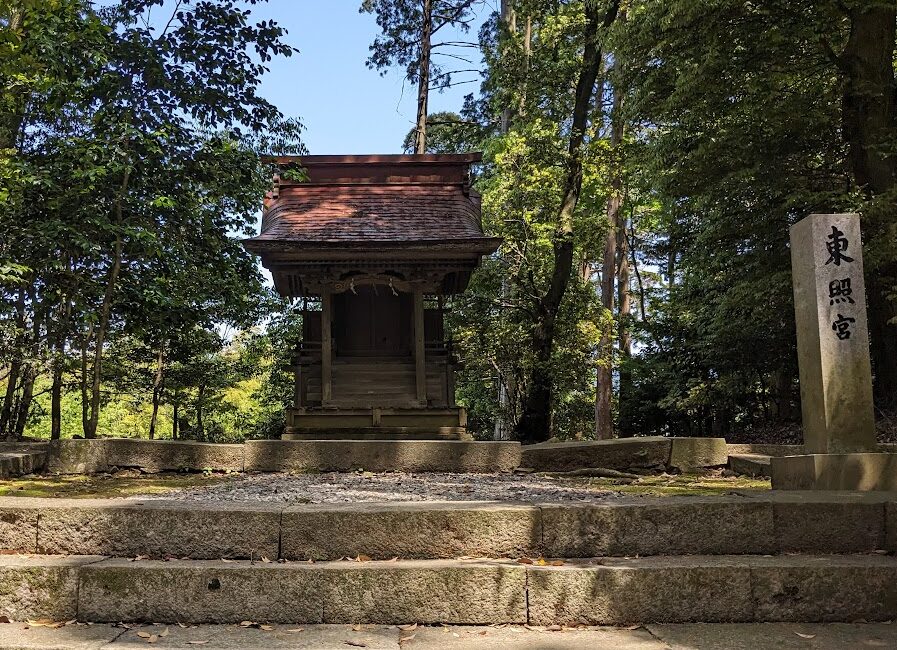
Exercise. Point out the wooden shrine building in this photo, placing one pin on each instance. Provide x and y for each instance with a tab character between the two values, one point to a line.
372	244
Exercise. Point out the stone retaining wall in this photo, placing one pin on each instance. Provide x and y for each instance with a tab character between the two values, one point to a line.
78	456
749	523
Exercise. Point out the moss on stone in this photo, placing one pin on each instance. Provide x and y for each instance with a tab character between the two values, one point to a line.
678	484
102	486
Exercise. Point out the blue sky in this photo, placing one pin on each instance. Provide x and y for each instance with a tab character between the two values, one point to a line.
345	107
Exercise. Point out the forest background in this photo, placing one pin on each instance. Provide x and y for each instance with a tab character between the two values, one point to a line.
643	161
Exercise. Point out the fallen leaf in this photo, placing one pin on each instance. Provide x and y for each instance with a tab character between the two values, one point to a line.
557	563
483	633
406	639
4	619
408	628
524	560
153	638
163	633
356	644
265	560
394	559
183	625
266	628
140	557
357	628
554	628
197	642
246	624
805	636
224	559
46	622
143	634
632	627
542	562
362	558
296	629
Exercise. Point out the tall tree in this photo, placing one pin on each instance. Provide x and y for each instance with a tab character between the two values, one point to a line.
406	39
535	421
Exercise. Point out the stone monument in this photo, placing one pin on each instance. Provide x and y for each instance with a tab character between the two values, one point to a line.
835	368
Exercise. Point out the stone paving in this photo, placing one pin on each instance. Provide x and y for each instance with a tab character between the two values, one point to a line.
360	487
764	636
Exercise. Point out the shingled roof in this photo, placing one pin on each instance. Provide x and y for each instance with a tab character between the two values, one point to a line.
374	202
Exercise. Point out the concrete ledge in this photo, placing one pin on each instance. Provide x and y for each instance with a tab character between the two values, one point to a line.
750	464
687	454
663	526
429	591
158	529
173	455
433	591
623	453
623	591
40	587
858	471
824	588
381	456
715	589
411	530
200	592
77	456
765	450
750	523
832	522
652	452
600	591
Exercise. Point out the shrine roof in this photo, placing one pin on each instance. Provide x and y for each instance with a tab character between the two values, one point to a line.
371	201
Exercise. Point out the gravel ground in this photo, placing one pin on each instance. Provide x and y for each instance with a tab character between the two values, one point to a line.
358	487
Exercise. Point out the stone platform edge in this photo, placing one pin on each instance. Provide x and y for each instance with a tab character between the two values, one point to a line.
78	456
597	591
750	522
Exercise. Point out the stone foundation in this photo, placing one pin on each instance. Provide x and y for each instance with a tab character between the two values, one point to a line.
858	471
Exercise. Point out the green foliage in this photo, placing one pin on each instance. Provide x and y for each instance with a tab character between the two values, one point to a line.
132	167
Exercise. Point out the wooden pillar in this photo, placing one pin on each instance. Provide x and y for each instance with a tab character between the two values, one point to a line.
420	361
297	386
326	346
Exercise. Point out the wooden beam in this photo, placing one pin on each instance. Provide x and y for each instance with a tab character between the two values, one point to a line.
420	361
326	347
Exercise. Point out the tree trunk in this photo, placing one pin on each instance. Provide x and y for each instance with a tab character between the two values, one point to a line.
604	422
174	418
25	402
624	298
56	403
423	88
59	345
200	400
502	430
509	21
869	119
102	330
157	389
85	395
15	368
535	421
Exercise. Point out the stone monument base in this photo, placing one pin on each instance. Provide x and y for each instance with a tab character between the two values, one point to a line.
857	471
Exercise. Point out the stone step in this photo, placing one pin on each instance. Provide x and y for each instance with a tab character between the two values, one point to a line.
751	464
751	523
597	591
